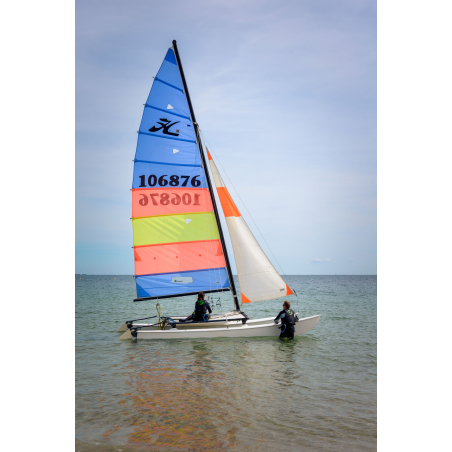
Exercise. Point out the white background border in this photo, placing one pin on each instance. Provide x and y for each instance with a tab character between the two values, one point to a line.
414	228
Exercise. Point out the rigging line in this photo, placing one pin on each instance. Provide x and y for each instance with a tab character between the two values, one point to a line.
210	227
204	180
212	252
207	230
215	257
203	177
206	142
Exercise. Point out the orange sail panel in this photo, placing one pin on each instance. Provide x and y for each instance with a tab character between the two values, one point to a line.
228	205
178	257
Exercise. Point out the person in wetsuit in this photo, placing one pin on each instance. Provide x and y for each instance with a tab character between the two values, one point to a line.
202	310
288	319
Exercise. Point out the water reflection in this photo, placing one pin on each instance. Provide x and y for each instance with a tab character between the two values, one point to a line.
180	401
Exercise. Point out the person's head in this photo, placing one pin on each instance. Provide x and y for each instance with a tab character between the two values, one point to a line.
201	296
286	305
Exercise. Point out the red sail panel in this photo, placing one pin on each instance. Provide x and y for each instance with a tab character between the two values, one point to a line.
148	202
178	257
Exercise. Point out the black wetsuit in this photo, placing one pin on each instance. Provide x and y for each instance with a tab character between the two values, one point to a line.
200	312
201	308
288	319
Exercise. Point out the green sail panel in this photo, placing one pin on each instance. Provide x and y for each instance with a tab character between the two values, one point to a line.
174	228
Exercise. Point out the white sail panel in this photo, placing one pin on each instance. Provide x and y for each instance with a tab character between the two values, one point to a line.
258	279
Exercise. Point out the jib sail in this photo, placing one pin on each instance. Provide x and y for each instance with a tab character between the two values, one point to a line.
258	279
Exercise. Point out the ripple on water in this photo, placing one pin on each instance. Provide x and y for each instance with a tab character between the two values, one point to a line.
316	393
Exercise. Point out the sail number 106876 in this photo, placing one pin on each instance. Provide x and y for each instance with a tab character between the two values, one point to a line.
164	199
174	181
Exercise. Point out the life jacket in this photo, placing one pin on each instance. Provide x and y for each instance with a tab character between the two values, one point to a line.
288	318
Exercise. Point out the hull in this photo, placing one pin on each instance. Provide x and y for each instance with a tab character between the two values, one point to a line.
229	324
198	326
233	319
244	330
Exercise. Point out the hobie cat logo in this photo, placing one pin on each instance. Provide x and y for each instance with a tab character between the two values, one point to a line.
165	125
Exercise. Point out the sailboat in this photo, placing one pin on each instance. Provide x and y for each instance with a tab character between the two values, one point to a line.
178	241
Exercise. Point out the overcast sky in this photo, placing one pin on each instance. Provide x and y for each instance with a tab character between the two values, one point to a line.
285	92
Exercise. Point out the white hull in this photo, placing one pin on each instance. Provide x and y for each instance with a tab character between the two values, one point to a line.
233	319
248	329
229	324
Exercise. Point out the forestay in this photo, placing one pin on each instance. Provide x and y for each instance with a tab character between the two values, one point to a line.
175	234
258	279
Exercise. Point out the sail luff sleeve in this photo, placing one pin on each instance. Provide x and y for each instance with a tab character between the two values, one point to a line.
258	278
176	240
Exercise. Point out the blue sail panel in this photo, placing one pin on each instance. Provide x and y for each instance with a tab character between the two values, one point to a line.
170	56
169	72
167	151
166	125
181	282
168	100
148	175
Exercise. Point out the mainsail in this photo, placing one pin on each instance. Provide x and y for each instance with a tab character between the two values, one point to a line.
176	237
258	279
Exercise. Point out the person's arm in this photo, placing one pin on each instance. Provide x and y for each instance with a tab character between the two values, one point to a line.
278	316
208	307
296	317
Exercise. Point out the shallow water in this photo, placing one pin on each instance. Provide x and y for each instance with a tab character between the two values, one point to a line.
317	393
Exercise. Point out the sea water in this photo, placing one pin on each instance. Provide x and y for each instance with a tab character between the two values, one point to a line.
317	393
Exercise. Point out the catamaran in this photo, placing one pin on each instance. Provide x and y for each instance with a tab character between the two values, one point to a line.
178	240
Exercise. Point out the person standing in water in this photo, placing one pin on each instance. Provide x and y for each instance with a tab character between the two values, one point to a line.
288	319
202	310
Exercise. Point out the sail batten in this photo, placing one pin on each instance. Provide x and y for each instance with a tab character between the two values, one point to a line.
166	163
183	294
169	84
176	239
167	138
166	111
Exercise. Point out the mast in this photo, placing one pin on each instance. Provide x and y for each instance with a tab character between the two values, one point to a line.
209	183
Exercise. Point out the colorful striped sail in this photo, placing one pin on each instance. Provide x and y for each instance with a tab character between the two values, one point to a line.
258	279
175	234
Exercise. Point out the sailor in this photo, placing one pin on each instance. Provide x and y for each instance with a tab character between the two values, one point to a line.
288	319
202	310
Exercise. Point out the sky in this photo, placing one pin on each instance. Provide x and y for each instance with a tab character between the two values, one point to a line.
286	95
